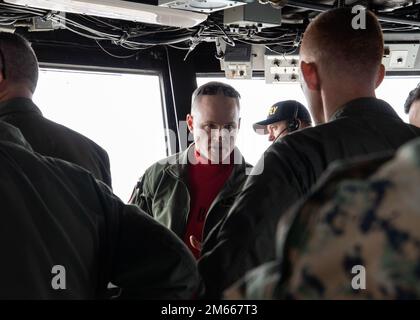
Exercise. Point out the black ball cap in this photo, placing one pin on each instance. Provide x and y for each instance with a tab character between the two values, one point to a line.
283	110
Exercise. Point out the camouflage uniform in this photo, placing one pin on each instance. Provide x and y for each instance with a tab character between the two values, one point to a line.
358	215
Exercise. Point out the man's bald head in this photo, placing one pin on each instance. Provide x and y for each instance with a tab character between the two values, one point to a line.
339	49
18	62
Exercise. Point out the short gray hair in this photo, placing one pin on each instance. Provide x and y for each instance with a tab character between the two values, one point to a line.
215	88
414	95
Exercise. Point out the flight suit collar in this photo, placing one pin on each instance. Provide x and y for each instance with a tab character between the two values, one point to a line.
18	105
363	107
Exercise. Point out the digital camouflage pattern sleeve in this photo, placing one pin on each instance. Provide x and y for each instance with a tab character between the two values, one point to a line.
356	236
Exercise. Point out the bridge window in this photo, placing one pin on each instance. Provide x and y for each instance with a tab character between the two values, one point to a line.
120	112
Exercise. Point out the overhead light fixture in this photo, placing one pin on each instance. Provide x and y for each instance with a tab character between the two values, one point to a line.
118	9
207	6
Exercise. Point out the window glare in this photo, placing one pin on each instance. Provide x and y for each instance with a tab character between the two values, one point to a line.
395	91
257	97
120	112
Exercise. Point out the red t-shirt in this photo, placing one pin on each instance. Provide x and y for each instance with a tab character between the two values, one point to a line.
205	181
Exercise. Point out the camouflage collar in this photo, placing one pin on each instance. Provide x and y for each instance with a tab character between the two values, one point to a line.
365	106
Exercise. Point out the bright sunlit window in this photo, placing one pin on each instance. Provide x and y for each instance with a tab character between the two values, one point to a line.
395	91
257	97
120	112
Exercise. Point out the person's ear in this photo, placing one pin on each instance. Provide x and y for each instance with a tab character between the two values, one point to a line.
190	122
239	123
380	76
310	75
271	136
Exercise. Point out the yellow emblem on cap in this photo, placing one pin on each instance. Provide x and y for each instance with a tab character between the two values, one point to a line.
272	110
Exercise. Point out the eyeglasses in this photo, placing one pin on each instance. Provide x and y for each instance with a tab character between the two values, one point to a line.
216	89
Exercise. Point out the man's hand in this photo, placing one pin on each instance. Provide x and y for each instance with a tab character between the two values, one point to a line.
195	243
